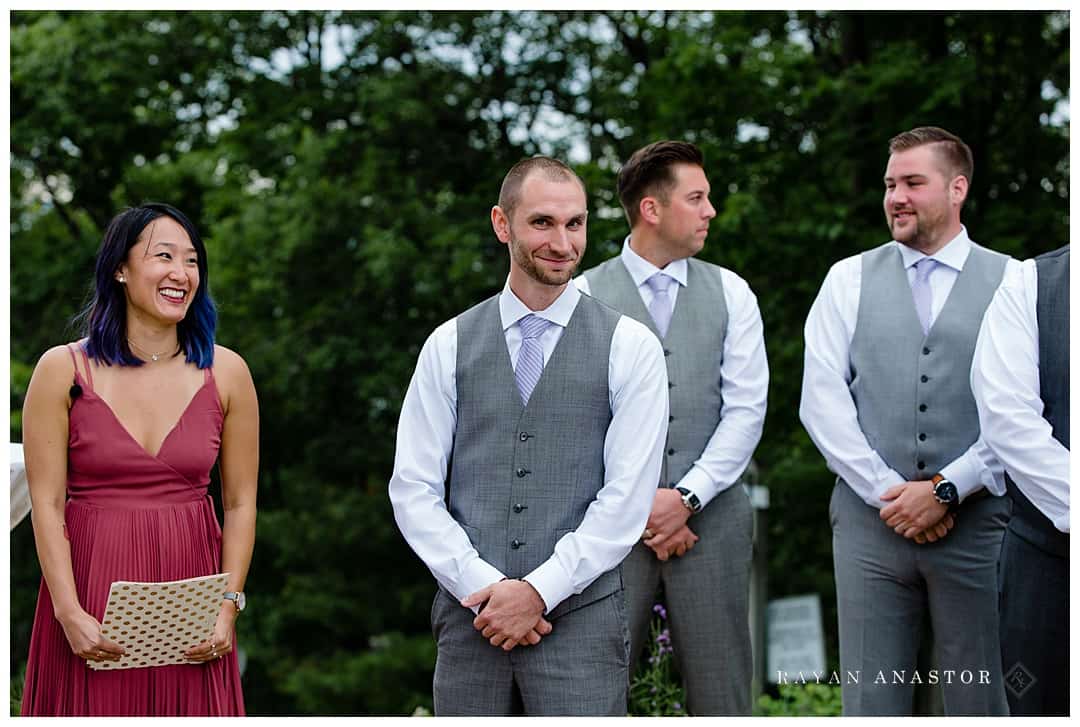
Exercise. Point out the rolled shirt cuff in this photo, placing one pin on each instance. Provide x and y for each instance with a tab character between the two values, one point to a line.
551	582
961	474
479	574
1061	522
887	480
699	483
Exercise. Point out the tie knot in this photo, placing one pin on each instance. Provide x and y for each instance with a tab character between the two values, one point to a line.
532	326
924	266
659	283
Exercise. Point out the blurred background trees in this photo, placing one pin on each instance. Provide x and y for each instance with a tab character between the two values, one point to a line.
341	166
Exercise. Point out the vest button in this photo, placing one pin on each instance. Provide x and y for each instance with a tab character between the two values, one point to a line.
922	407
515	543
925	351
671	451
922	465
518	507
670	418
922	437
521	471
671	384
924	378
524	436
667	352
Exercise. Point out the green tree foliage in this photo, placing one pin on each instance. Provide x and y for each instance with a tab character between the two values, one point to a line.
342	166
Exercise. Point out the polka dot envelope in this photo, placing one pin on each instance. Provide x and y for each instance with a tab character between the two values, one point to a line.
157	622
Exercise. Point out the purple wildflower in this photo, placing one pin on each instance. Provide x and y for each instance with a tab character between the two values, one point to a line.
677	706
659	610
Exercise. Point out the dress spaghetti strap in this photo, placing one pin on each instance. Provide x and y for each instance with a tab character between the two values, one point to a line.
88	379
74	361
86	360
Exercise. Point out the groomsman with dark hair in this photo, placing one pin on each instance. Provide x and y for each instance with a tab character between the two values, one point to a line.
698	541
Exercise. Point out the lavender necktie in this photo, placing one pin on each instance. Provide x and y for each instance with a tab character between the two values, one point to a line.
660	307
530	362
920	290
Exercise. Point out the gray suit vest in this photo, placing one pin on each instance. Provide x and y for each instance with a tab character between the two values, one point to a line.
1052	312
913	392
693	348
521	477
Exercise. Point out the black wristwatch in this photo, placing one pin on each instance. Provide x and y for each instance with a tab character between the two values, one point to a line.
693	504
945	491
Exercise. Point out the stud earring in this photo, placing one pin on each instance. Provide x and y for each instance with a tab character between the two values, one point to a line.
120	278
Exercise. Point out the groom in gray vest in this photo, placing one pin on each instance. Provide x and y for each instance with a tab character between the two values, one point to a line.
528	449
917	514
697	544
1021	383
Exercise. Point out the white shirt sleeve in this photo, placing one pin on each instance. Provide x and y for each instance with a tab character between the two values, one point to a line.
633	450
744	386
1005	381
826	408
425	439
976	468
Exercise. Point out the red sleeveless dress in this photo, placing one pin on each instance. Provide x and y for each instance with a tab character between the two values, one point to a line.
133	516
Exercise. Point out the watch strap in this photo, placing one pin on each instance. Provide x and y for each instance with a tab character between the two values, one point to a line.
237	597
693	504
936	486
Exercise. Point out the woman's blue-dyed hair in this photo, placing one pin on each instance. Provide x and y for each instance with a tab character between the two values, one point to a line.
104	319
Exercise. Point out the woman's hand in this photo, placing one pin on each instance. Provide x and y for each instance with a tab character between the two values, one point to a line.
220	641
83	633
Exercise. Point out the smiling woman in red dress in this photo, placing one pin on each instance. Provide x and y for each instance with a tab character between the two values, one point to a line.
120	431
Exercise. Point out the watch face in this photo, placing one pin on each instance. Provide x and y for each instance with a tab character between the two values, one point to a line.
945	492
241	601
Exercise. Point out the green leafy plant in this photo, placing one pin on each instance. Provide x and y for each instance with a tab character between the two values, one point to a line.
801	700
656	691
17	680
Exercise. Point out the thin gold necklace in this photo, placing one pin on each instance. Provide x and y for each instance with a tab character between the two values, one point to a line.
144	352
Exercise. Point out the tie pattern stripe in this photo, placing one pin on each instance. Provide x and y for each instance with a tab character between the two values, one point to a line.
530	362
920	290
660	306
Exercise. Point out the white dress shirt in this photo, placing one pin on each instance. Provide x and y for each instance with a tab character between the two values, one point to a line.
20	490
827	409
633	450
744	375
1005	381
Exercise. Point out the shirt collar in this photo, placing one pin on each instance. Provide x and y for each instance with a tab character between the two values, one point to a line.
512	310
954	254
641	269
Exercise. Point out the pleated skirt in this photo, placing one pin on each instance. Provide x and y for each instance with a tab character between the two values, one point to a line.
115	544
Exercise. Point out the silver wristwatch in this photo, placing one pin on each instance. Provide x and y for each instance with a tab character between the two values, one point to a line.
238	599
693	504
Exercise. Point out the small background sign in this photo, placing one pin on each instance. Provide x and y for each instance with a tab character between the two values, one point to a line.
795	640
